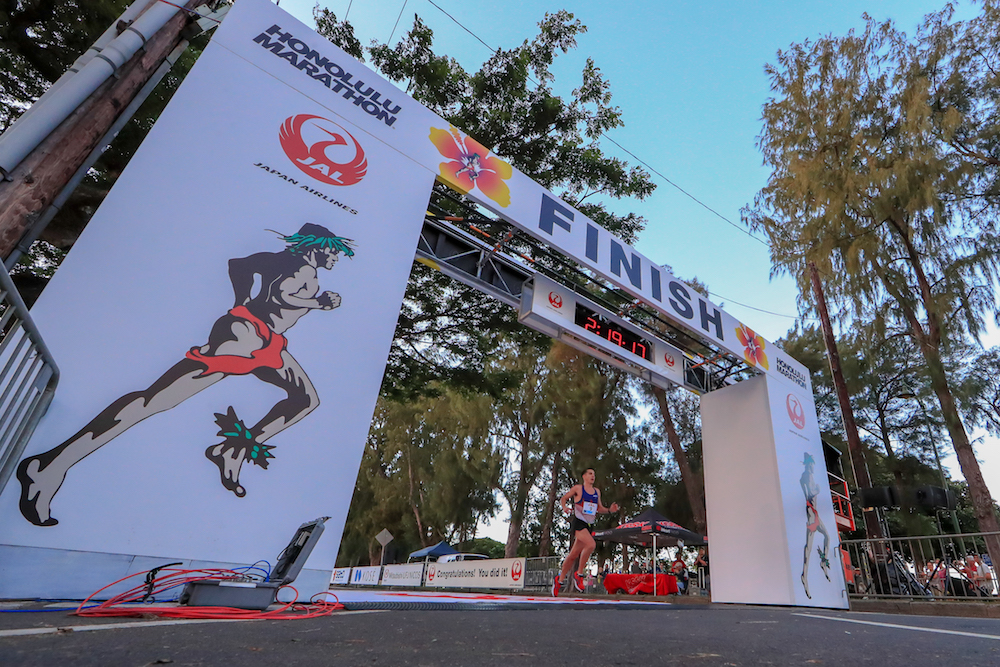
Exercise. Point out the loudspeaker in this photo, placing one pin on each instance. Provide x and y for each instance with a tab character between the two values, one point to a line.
935	497
878	496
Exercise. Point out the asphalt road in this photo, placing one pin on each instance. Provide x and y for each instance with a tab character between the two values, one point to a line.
703	635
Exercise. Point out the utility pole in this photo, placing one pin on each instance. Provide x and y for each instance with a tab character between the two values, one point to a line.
873	529
31	186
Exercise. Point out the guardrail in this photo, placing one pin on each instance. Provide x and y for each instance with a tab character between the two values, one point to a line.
928	568
27	380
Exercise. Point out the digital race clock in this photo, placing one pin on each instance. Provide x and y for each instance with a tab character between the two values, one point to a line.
592	321
557	311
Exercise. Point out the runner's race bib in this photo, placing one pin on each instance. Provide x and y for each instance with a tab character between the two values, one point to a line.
590	509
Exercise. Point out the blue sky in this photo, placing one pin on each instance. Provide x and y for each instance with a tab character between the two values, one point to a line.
689	79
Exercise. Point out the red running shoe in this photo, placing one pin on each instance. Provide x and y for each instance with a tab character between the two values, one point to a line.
578	582
556	587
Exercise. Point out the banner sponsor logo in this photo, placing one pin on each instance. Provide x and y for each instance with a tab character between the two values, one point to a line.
403	575
366	576
555	299
753	346
498	573
795	411
309	141
471	166
669	360
341	576
306	59
791	373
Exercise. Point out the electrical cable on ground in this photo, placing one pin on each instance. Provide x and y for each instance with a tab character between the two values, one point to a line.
129	603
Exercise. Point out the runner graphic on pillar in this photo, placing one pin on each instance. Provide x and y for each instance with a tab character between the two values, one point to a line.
248	340
813	524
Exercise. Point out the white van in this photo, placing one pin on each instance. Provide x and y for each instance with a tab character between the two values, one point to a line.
451	558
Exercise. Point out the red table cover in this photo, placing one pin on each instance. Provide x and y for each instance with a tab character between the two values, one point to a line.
640	583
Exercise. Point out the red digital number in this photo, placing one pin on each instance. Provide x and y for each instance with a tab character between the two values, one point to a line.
616	337
591	324
639	349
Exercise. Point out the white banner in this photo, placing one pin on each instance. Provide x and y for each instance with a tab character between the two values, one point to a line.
244	277
403	575
813	540
341	576
284	47
499	573
366	576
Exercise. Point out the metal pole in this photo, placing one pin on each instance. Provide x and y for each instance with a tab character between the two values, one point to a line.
937	459
654	565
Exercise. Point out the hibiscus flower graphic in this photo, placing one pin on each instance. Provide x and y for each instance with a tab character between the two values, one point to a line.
471	165
753	345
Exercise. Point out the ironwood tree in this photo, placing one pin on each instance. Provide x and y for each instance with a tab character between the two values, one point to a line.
883	156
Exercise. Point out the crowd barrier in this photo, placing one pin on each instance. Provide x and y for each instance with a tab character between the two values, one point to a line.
927	568
502	573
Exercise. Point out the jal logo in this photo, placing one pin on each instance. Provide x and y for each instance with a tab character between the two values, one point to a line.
669	360
515	571
430	573
323	150
795	411
555	300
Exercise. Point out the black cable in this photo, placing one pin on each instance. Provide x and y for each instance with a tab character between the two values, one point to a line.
397	22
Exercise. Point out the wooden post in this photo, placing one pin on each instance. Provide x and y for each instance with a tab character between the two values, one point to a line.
36	182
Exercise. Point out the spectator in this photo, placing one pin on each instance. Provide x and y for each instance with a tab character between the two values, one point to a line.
679	569
701	564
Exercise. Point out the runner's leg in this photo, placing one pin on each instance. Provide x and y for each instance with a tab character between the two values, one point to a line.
301	399
42	475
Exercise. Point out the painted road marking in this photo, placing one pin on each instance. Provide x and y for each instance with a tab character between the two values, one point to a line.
901	627
147	624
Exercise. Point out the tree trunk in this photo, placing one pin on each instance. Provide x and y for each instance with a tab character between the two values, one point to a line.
929	340
40	177
414	506
693	484
545	542
873	529
979	493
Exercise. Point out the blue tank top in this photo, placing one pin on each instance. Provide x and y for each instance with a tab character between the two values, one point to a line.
586	507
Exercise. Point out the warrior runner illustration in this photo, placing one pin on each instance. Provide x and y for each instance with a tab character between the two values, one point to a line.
248	340
813	523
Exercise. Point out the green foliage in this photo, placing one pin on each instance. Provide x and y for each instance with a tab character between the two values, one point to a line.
883	153
482	545
509	105
427	474
39	40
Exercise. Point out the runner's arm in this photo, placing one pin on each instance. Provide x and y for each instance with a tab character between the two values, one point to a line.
572	493
292	285
601	509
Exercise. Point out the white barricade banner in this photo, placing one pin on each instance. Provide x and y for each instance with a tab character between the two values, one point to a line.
499	573
341	576
403	575
366	576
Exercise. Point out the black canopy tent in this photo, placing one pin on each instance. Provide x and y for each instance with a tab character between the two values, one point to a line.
650	529
442	548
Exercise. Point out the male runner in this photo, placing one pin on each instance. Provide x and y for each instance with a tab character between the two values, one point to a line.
586	506
248	340
813	523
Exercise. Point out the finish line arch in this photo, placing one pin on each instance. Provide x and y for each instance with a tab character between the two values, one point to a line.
340	162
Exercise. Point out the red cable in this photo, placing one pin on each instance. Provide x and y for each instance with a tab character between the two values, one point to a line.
111	607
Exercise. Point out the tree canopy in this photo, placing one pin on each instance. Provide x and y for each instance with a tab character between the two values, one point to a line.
882	149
